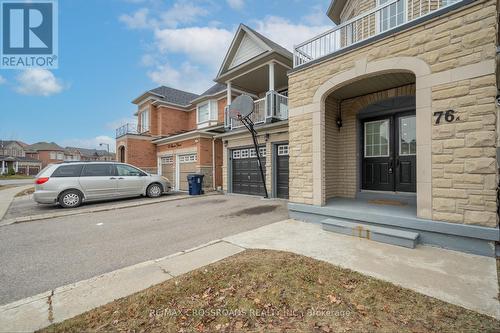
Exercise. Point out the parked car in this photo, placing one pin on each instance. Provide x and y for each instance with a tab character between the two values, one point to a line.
71	183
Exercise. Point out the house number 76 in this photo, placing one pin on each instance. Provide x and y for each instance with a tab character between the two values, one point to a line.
449	116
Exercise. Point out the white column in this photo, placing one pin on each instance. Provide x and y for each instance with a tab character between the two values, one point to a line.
16	166
3	167
229	93
271	76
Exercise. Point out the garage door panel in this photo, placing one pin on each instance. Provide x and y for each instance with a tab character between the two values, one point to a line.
185	170
246	178
282	172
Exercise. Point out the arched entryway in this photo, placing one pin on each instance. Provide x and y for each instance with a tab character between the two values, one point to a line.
121	154
355	89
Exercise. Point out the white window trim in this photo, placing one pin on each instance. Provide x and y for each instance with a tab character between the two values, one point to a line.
144	115
388	141
378	20
169	159
189	158
283	150
212	111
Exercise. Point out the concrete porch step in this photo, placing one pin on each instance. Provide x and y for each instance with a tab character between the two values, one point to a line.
375	233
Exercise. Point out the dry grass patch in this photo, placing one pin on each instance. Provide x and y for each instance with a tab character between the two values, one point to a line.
28	191
271	291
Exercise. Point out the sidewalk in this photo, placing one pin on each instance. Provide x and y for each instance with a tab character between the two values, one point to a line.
6	197
62	303
463	279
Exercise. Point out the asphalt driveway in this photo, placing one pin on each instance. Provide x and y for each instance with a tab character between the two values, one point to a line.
40	255
26	206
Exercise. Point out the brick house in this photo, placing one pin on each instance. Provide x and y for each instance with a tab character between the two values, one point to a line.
13	157
174	135
178	132
86	154
393	122
46	152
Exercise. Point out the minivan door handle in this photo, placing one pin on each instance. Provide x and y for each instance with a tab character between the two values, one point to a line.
121	178
112	178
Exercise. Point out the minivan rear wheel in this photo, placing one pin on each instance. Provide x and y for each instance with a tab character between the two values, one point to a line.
154	190
70	199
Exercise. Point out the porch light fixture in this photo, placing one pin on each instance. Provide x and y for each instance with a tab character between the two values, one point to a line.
338	121
267	137
226	143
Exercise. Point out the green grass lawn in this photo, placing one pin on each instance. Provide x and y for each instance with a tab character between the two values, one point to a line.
271	291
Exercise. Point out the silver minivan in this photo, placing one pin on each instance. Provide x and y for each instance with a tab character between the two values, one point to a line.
71	183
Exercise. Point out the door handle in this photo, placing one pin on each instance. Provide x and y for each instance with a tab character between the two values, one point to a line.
112	178
121	178
391	166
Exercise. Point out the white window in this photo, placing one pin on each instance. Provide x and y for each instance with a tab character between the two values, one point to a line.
391	16
187	158
60	156
236	154
252	153
263	151
207	111
167	160
283	150
407	136
377	138
244	153
53	155
144	127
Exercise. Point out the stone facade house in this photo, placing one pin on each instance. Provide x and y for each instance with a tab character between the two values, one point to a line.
393	123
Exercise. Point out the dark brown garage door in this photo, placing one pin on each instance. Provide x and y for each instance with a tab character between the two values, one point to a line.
282	172
246	172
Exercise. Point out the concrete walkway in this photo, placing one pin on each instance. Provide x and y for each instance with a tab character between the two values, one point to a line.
7	195
466	280
62	303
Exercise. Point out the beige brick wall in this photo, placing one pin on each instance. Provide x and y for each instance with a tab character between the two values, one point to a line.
245	140
463	153
459	44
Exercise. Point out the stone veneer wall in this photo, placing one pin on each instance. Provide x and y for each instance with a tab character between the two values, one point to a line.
342	149
460	44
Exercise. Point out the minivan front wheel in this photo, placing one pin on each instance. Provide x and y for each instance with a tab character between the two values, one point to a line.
70	199
154	190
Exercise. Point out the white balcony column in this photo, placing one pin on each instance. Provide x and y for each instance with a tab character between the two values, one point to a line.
3	167
229	93
271	76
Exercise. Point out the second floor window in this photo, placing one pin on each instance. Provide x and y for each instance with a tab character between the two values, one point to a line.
391	16
144	119
207	111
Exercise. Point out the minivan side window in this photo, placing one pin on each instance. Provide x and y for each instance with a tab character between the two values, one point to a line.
68	171
98	170
125	170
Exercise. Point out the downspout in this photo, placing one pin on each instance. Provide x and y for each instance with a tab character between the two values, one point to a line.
213	163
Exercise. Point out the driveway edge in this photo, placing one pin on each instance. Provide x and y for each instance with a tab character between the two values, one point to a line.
6	197
44	309
98	209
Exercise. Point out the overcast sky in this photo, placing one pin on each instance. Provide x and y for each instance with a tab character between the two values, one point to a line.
111	51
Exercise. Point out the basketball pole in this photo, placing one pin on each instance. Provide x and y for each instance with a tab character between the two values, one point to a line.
250	126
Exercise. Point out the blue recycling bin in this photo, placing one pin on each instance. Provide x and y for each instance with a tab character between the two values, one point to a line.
195	182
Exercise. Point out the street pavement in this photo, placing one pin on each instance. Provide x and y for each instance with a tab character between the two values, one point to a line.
41	255
17	181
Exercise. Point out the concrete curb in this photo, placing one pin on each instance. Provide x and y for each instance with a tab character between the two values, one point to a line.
7	195
98	209
65	302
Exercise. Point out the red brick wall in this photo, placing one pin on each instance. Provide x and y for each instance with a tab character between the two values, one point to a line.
192	119
138	152
221	104
171	121
219	160
44	157
205	152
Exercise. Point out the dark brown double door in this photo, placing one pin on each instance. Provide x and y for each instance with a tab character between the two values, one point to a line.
389	153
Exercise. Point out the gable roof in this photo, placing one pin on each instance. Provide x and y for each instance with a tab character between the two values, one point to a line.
44	146
169	95
335	9
257	45
89	152
8	142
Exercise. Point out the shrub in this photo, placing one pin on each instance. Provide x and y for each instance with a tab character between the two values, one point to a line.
12	172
